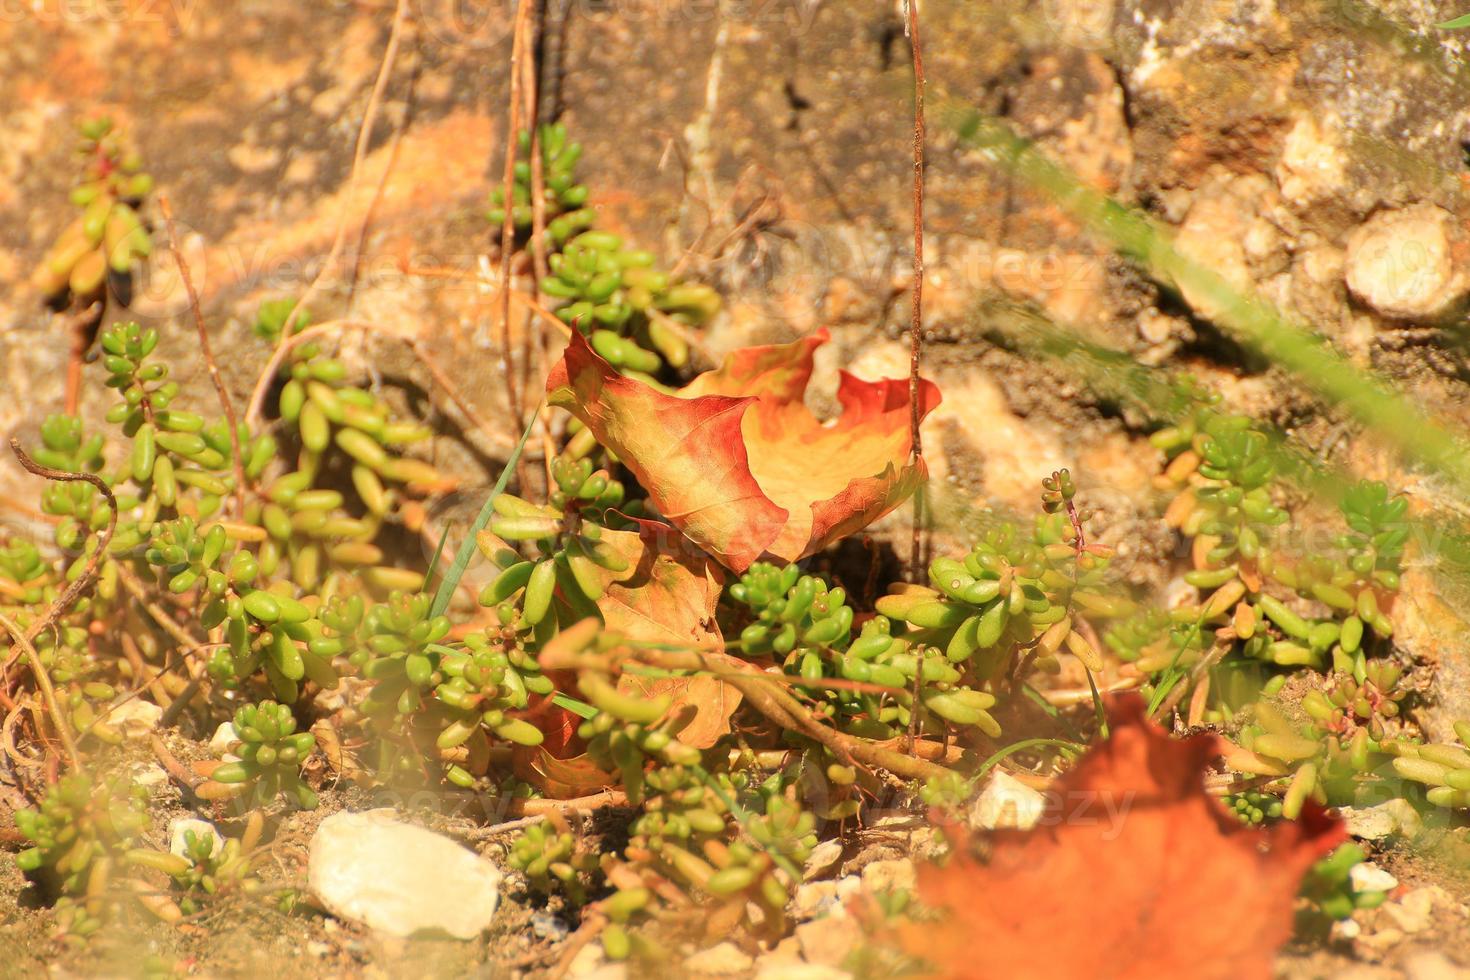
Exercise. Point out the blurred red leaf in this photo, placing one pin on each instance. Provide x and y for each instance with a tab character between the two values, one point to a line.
1134	873
735	459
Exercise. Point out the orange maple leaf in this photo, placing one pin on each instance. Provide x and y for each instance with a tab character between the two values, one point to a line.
735	459
1134	872
668	596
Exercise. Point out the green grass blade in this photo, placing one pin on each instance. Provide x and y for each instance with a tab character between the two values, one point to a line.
1251	319
466	551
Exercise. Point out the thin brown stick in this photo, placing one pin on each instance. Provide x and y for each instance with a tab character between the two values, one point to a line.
538	192
507	226
531	302
157	613
181	636
172	765
916	323
364	137
209	362
48	692
79	324
1083	695
916	293
75	590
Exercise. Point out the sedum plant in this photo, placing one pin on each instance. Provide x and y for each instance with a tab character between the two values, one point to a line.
271	755
565	199
79	833
108	235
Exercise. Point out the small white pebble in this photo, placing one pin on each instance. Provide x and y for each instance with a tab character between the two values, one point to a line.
1369	877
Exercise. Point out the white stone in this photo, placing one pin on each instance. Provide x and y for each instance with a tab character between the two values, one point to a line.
1369	877
722	960
177	827
1401	263
400	879
1382	820
1007	803
822	859
135	718
148	776
591	964
223	739
883	876
814	898
829	940
788	970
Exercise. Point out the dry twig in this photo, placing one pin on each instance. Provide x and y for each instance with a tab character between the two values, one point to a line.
364	137
48	691
83	582
209	362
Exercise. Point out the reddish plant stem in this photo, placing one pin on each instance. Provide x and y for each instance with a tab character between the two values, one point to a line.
507	226
916	323
231	419
83	582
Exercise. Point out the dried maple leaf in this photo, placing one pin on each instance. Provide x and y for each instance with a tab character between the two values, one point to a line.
668	596
1133	872
735	459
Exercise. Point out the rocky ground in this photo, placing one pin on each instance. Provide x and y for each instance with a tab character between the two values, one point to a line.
1313	151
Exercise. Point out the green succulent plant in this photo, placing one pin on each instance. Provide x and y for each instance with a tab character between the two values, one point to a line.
271	754
213	869
565	199
551	858
1329	892
109	234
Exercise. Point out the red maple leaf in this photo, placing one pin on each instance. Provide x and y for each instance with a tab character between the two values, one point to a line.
1134	872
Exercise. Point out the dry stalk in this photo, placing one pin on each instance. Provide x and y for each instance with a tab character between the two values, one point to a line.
209	362
364	137
76	589
48	691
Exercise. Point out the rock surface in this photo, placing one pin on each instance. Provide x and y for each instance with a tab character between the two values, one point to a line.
1402	263
1006	803
723	960
400	879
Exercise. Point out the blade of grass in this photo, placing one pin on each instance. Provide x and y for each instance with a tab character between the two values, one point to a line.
1097	706
466	551
1029	743
1251	319
438	554
579	708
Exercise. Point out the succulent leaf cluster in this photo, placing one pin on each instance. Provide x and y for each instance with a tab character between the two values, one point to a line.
109	235
271	753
